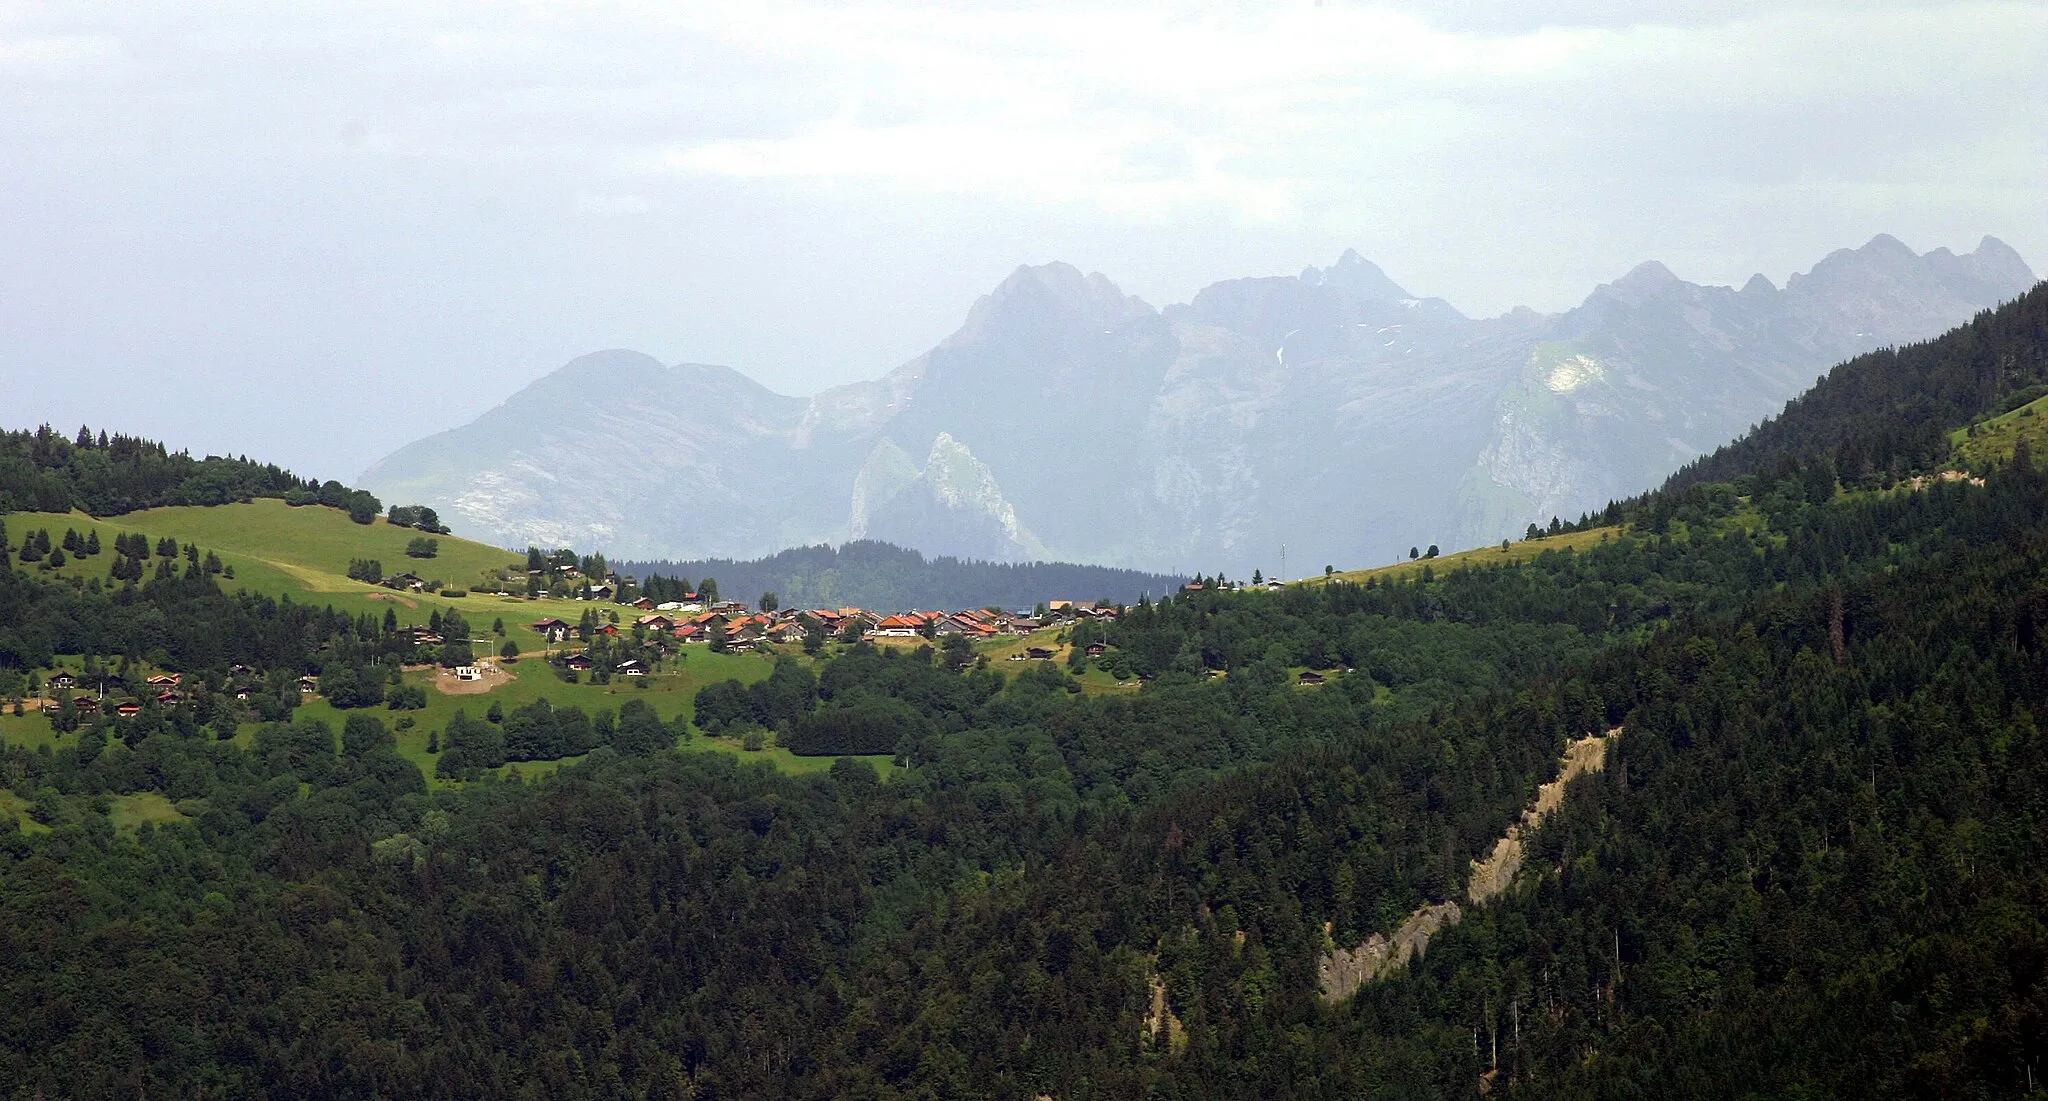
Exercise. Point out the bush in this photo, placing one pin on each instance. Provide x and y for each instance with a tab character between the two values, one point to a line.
423	547
755	741
454	592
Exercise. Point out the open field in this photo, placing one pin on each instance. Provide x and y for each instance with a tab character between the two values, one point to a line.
16	807
128	812
304	553
1518	551
1997	437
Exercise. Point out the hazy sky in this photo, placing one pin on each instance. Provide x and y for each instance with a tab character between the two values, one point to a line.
314	231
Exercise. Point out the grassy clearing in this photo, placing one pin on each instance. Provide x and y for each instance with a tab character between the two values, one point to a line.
129	812
303	554
1521	551
1997	437
16	807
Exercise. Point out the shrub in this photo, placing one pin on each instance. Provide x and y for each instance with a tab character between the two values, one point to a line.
454	592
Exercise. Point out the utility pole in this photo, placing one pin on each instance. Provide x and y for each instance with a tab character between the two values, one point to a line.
1283	563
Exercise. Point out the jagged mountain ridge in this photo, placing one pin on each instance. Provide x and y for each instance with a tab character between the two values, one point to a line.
1332	411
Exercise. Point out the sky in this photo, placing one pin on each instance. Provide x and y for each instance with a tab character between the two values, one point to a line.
313	232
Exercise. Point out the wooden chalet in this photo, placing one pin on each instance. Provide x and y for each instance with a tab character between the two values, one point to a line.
632	667
127	709
63	682
899	626
579	662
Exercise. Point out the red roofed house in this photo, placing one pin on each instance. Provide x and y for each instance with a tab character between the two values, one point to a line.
898	626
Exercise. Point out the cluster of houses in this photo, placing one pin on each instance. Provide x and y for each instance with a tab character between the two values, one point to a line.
163	689
743	629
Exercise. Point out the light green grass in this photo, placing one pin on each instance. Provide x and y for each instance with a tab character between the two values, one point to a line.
304	553
783	759
1515	552
16	807
129	812
1998	437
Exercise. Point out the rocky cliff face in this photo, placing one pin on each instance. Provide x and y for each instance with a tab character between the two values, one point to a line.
1332	411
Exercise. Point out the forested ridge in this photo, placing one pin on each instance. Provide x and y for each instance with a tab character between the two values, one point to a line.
887	578
1813	865
101	475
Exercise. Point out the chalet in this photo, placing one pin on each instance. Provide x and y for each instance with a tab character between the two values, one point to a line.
690	632
163	681
63	682
241	670
729	607
1097	649
899	626
418	636
1039	653
1022	627
244	692
554	630
169	698
1312	677
410	582
602	592
579	662
1193	587
1059	607
742	645
609	630
309	685
646	604
655	622
632	667
86	705
128	709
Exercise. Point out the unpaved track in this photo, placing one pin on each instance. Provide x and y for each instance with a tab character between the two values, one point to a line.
1344	970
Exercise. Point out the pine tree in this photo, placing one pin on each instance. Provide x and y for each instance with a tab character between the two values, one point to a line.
92	543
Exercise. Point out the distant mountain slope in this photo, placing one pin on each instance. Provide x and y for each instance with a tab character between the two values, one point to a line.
1332	412
1898	404
885	578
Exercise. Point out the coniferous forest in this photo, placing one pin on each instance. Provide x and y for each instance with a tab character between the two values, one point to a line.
1815	863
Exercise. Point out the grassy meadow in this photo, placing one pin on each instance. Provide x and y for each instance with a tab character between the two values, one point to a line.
1521	550
303	553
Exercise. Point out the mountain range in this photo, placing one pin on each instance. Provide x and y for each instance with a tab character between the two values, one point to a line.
1332	412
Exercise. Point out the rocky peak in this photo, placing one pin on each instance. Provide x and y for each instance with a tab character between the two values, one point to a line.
1642	283
1049	299
1357	276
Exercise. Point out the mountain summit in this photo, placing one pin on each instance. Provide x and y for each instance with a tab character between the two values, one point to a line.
1332	411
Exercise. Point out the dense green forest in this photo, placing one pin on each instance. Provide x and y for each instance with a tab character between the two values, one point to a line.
102	475
1813	865
887	578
